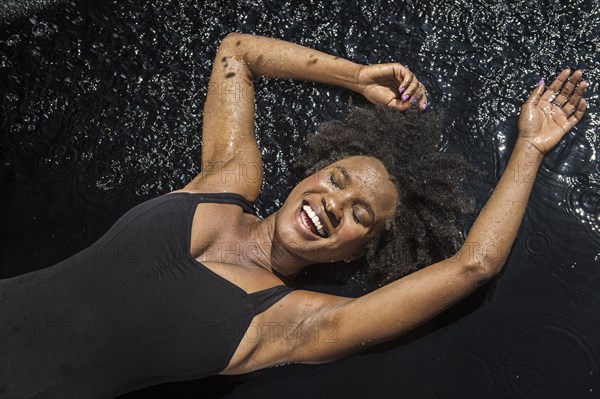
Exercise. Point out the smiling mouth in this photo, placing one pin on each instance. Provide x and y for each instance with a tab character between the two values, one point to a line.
312	221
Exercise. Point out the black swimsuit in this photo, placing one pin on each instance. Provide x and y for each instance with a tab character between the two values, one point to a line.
133	310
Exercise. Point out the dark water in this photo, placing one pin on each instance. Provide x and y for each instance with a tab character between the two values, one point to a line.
101	108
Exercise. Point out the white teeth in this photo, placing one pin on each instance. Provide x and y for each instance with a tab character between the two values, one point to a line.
315	219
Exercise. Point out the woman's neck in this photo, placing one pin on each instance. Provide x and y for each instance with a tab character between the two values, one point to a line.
270	254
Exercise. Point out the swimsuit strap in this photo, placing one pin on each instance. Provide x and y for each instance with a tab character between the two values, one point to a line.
227	198
262	300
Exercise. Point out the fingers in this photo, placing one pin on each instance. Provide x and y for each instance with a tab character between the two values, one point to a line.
423	100
555	86
568	89
572	103
411	90
564	92
578	114
407	77
419	97
568	97
536	94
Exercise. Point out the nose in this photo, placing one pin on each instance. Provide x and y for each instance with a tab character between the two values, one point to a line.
332	210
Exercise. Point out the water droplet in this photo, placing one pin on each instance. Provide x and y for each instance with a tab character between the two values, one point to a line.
13	40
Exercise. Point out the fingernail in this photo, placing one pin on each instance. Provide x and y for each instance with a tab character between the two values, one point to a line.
423	107
402	90
405	97
540	82
413	101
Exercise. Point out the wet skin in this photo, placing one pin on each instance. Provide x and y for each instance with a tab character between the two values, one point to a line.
353	198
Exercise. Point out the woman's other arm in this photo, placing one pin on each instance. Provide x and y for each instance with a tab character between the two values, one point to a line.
398	307
230	155
389	84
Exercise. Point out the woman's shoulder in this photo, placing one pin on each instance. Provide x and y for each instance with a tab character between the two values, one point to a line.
218	197
220	182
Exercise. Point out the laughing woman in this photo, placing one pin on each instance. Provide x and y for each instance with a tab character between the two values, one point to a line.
155	299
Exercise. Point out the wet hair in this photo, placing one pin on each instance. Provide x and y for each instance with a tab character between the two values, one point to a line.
427	225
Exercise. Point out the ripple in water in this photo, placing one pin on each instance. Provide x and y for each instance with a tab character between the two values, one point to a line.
527	361
475	367
582	201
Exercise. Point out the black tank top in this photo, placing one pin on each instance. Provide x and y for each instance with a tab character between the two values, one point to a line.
134	309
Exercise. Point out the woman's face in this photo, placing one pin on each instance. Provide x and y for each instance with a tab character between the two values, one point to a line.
332	214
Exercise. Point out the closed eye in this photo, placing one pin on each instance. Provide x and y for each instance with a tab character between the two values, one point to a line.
355	217
333	181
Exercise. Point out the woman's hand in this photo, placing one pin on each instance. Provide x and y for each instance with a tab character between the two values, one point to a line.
393	85
549	114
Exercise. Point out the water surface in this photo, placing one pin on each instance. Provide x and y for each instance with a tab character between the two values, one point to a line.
101	109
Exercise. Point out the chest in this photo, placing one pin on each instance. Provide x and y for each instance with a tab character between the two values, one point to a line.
217	232
219	241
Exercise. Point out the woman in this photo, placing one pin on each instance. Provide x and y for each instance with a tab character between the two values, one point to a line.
190	284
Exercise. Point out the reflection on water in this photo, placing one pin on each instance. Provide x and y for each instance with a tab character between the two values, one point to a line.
103	102
128	83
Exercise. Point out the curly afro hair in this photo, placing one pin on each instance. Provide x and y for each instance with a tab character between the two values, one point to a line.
426	227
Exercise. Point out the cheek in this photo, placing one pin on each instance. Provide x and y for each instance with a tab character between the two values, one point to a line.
284	226
351	240
348	235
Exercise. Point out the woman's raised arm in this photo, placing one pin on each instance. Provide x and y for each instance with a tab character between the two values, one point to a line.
410	301
230	155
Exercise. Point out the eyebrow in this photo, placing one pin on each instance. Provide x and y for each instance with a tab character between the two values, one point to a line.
348	179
